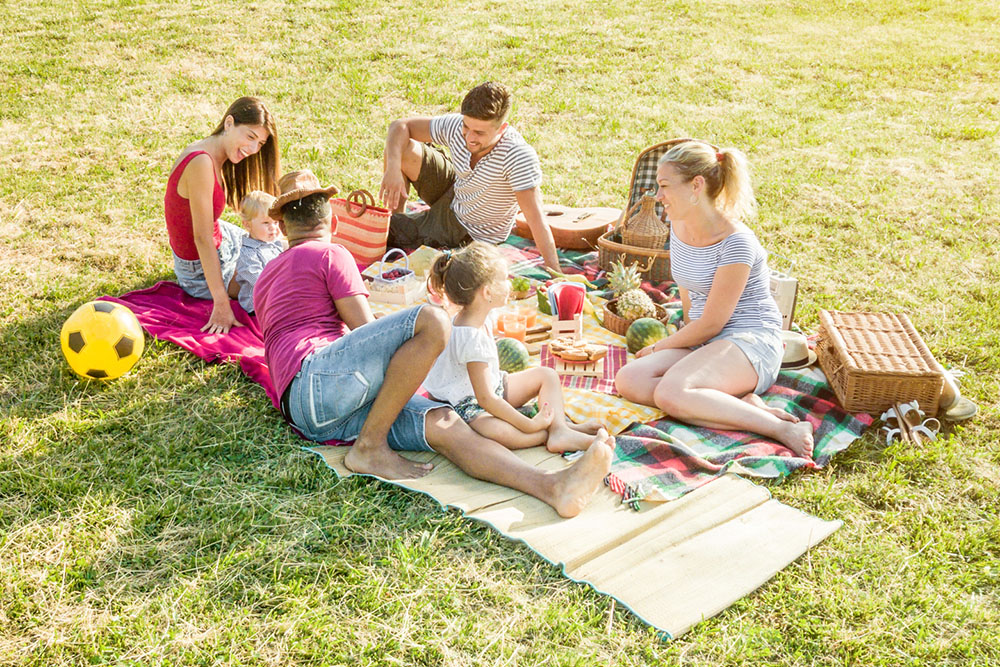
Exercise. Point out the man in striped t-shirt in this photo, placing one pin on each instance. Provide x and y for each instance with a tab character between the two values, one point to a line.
477	192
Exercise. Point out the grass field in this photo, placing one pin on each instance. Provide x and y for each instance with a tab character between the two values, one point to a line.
170	517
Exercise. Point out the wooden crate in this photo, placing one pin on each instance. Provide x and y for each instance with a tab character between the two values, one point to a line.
589	369
573	327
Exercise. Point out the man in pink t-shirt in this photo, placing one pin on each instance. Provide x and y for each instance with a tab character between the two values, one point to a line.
342	374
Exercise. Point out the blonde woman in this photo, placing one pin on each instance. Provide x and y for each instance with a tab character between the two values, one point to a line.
710	372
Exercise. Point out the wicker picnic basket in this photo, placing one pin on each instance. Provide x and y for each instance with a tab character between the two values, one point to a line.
873	360
615	323
612	247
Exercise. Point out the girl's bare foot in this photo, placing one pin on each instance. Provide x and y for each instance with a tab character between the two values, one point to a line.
576	485
544	418
381	461
798	437
758	402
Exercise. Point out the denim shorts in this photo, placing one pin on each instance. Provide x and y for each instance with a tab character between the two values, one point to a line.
189	272
332	394
468	408
763	348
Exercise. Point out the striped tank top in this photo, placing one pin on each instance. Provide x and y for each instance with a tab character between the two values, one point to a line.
694	268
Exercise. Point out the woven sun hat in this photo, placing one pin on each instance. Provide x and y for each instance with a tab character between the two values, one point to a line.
797	353
294	186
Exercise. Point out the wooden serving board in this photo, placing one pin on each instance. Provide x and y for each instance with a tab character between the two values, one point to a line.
581	368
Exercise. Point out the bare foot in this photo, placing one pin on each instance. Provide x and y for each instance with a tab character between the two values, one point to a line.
758	402
577	484
543	419
798	437
382	462
564	438
590	427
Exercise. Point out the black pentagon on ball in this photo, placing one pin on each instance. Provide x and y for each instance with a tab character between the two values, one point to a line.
104	306
124	346
97	374
76	341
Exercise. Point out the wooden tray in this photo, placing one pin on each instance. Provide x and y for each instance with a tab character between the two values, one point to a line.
581	368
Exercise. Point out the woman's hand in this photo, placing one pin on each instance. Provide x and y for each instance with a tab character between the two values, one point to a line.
649	349
222	319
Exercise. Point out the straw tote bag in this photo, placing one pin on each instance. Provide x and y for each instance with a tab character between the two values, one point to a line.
362	227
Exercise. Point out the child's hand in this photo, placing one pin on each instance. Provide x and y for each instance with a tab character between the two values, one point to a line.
222	319
544	418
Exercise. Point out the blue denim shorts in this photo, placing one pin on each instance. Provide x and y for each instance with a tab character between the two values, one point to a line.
331	395
468	408
763	348
191	275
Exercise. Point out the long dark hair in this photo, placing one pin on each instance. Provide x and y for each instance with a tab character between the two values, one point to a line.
259	171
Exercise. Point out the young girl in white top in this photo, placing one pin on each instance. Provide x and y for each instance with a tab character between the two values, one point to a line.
467	375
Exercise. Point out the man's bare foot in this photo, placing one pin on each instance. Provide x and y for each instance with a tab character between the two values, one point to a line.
563	438
544	418
798	437
577	484
590	427
758	402
382	462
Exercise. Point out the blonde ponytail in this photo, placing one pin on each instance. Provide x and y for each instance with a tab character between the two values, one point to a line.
736	196
726	174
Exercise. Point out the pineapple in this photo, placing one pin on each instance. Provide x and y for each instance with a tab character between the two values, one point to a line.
634	304
624	278
626	282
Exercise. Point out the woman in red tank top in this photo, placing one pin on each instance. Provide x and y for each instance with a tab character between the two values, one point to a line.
240	156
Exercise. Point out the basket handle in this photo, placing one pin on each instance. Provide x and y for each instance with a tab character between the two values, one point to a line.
836	361
363	199
626	215
629	212
406	258
641	269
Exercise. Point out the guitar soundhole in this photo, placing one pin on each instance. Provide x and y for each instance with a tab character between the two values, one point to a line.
552	214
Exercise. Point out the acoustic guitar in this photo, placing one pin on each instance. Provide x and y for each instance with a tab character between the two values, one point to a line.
572	228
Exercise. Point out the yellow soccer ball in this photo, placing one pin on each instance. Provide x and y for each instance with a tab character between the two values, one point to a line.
102	340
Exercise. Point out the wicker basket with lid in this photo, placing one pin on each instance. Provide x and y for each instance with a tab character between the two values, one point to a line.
873	360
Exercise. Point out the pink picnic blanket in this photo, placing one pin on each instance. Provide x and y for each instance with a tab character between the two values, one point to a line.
166	312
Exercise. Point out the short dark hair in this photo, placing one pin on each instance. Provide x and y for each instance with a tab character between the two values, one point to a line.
307	212
487	101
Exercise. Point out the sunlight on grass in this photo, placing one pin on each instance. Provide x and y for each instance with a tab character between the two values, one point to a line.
170	517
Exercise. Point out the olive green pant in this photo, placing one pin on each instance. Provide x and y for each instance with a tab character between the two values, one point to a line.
437	226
